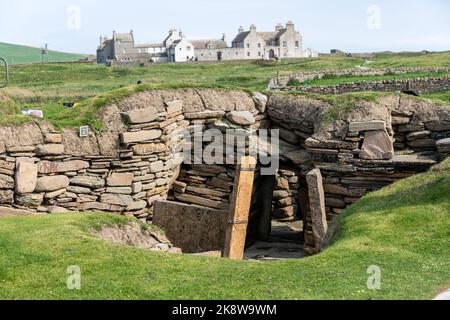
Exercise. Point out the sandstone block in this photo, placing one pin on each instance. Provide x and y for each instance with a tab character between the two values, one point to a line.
119	190
136	187
52	183
49	167
156	167
317	208
6	196
6	182
120	179
140	136
418	135
377	145
260	102
26	177
78	190
242	118
367	126
202	201
204	115
30	199
422	143
144	149
49	150
116	199
141	115
54	194
137	205
443	145
88	181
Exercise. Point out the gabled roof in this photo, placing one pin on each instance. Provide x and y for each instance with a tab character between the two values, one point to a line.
241	36
205	43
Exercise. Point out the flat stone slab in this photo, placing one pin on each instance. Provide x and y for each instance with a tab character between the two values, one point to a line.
141	116
443	145
377	145
140	136
367	126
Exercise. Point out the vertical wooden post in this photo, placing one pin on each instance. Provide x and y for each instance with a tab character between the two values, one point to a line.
240	209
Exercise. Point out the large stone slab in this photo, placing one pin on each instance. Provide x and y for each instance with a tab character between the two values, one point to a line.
52	183
26	176
140	136
6	196
88	181
49	167
317	208
120	179
174	106
49	150
242	118
260	102
141	115
188	198
31	200
192	228
378	145
443	145
116	199
367	126
6	182
150	148
11	212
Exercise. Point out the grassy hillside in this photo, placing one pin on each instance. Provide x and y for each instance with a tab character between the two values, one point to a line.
16	54
403	229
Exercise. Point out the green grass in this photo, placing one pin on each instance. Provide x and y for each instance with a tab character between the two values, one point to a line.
404	229
17	54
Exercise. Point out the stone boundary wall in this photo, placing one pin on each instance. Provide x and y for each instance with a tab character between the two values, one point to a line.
301	77
420	85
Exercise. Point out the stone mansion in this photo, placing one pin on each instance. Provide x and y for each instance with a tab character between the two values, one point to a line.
283	42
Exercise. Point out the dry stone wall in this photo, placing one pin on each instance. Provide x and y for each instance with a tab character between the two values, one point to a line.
358	153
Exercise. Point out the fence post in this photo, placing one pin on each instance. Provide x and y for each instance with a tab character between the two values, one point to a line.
240	209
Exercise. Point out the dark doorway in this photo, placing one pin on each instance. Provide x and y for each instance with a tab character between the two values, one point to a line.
219	56
271	54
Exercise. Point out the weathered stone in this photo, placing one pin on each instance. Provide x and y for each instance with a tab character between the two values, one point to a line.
179	187
344	191
204	115
242	118
136	187
30	199
6	182
88	181
78	190
49	167
289	136
116	199
192	228
52	183
156	166
137	205
335	202
418	135
7	165
174	106
377	145
282	184
120	179
422	143
6	196
280	194
54	194
202	201
206	192
140	136
411	127
438	126
285	213
20	149
317	208
49	150
11	212
367	126
397	120
260	102
56	209
26	177
144	149
443	145
53	138
298	157
141	115
330	144
119	190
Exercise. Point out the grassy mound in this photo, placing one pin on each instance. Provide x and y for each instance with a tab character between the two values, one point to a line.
403	229
17	54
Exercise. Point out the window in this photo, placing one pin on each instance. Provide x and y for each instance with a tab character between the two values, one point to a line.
259	45
259	54
248	45
248	54
284	44
188	48
297	44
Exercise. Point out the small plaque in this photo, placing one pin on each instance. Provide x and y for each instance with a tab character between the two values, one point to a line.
84	132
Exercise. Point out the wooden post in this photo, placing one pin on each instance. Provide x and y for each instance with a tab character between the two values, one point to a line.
240	209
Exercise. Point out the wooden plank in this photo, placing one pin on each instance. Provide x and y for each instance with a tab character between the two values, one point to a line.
240	209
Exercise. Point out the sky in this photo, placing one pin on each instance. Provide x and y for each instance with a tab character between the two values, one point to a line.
348	25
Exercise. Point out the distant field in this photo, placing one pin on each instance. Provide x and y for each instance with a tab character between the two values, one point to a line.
16	54
46	86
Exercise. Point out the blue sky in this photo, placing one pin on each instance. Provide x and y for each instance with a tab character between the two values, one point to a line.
351	25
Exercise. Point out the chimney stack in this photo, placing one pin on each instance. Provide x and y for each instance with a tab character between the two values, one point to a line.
252	28
279	27
241	29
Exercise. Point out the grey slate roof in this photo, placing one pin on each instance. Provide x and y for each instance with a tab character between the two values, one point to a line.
205	43
241	36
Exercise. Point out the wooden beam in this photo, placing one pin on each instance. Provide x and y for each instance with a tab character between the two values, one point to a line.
240	209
